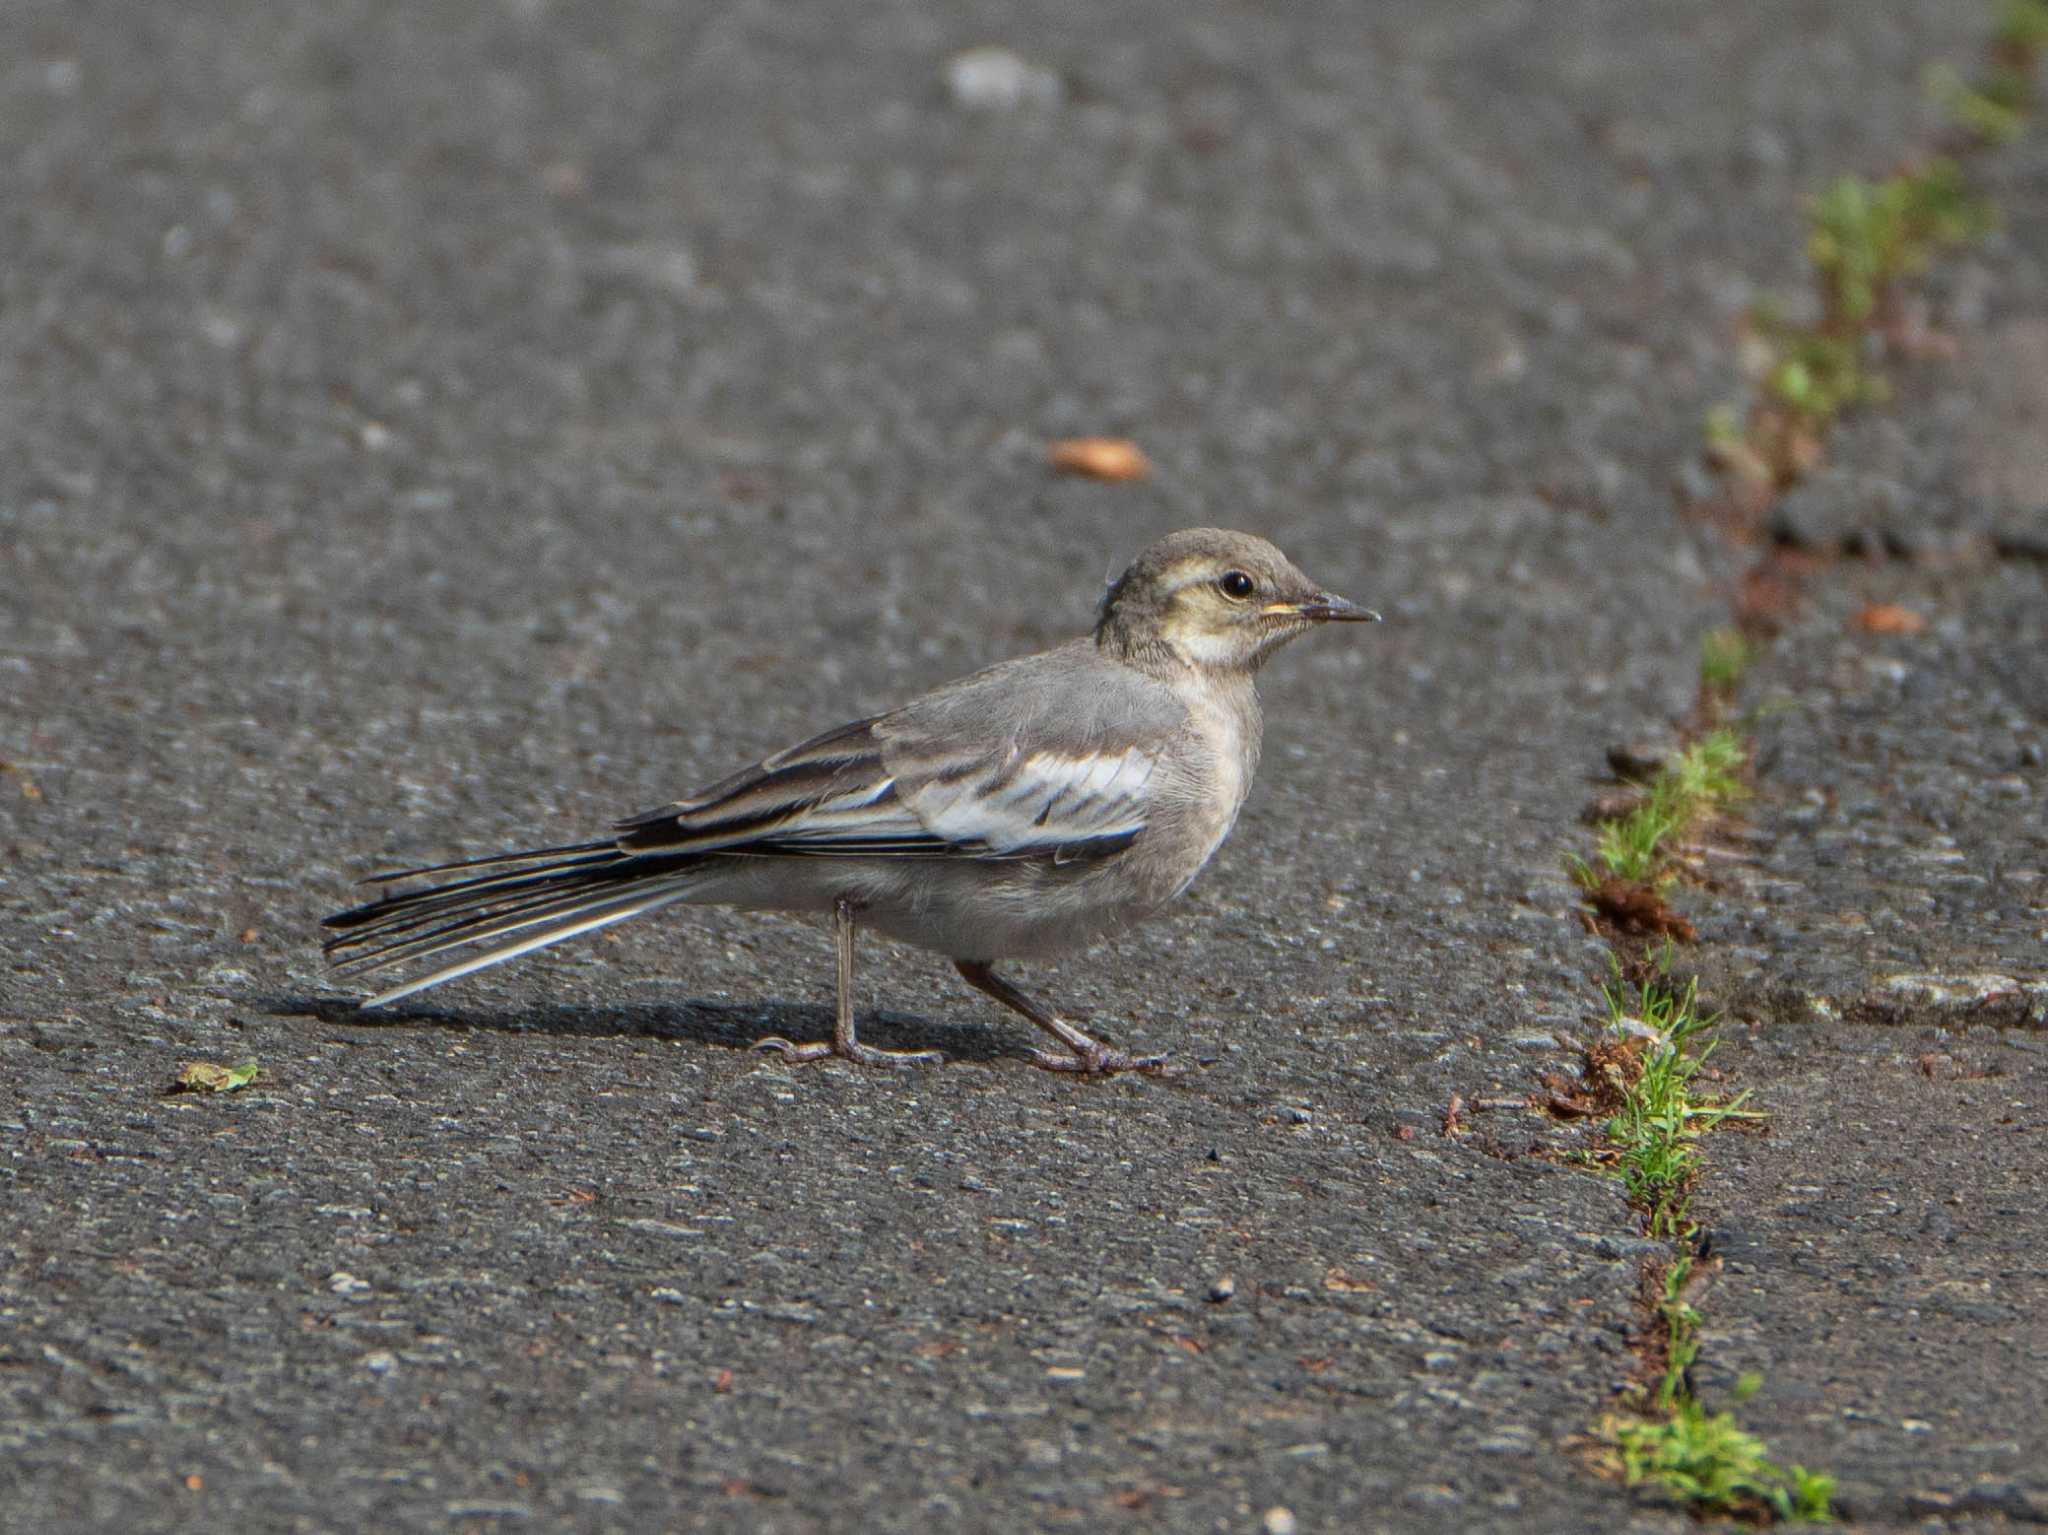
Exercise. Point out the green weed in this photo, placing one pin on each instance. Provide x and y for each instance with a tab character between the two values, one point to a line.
1864	236
1700	780
1993	111
1681	1335
1819	374
1632	846
1705	1459
1657	1129
2023	30
1724	657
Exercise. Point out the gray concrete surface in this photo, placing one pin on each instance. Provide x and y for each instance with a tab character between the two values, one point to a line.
1879	932
451	425
1888	951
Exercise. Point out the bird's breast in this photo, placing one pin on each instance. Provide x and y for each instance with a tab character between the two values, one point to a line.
1221	756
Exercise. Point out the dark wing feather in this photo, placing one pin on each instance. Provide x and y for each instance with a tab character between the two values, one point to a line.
1052	756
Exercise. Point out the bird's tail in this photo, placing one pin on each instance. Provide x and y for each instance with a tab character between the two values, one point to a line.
520	902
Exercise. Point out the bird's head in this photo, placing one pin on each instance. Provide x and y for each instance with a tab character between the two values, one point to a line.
1215	600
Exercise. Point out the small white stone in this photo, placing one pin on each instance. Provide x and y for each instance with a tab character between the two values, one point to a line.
995	79
1279	1521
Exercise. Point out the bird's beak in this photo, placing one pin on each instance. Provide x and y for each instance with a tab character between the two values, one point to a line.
1325	608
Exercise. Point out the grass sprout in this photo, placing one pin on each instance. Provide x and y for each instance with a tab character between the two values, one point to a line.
1700	780
1863	236
1657	1129
1707	1460
1724	656
2023	31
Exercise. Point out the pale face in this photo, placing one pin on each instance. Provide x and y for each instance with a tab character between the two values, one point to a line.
1229	612
1218	600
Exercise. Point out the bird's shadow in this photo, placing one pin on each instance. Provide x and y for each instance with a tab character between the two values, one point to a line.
731	1025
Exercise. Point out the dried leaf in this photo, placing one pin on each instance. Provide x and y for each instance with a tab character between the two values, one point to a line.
1100	458
1889	618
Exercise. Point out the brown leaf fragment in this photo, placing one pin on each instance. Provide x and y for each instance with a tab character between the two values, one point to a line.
1633	907
1889	618
1116	459
1571	1106
1451	1112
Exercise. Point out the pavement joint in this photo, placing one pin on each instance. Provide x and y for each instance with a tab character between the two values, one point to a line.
1867	242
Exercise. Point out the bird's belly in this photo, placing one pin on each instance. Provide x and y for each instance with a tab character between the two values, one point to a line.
986	910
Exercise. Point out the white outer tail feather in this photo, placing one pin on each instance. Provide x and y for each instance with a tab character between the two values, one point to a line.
616	908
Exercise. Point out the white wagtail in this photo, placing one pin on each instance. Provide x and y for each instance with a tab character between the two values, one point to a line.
1032	807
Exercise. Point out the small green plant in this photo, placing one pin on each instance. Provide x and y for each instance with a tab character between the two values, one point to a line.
2022	31
1724	657
1632	846
1993	111
1698	781
1657	1129
1705	1459
1722	427
1819	374
1864	236
1705	777
1681	1335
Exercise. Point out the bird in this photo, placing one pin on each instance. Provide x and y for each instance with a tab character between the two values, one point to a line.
1035	806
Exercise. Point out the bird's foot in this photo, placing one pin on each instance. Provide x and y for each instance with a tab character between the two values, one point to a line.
1100	1060
846	1050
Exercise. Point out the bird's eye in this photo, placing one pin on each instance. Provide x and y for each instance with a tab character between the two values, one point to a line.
1236	585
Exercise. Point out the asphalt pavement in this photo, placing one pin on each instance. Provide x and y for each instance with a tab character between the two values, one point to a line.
440	427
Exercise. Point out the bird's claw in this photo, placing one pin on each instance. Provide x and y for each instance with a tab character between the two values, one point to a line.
1101	1061
822	1050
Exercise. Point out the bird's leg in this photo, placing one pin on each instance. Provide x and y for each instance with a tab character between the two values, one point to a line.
844	1042
1089	1057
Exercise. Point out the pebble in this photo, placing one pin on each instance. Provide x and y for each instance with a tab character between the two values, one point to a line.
1223	1289
1642	759
1279	1521
995	79
1841	509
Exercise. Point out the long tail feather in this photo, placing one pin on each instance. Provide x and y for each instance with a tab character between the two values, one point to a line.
524	855
561	891
603	914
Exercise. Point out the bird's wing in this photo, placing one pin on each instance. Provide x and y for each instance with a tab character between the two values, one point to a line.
1025	760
